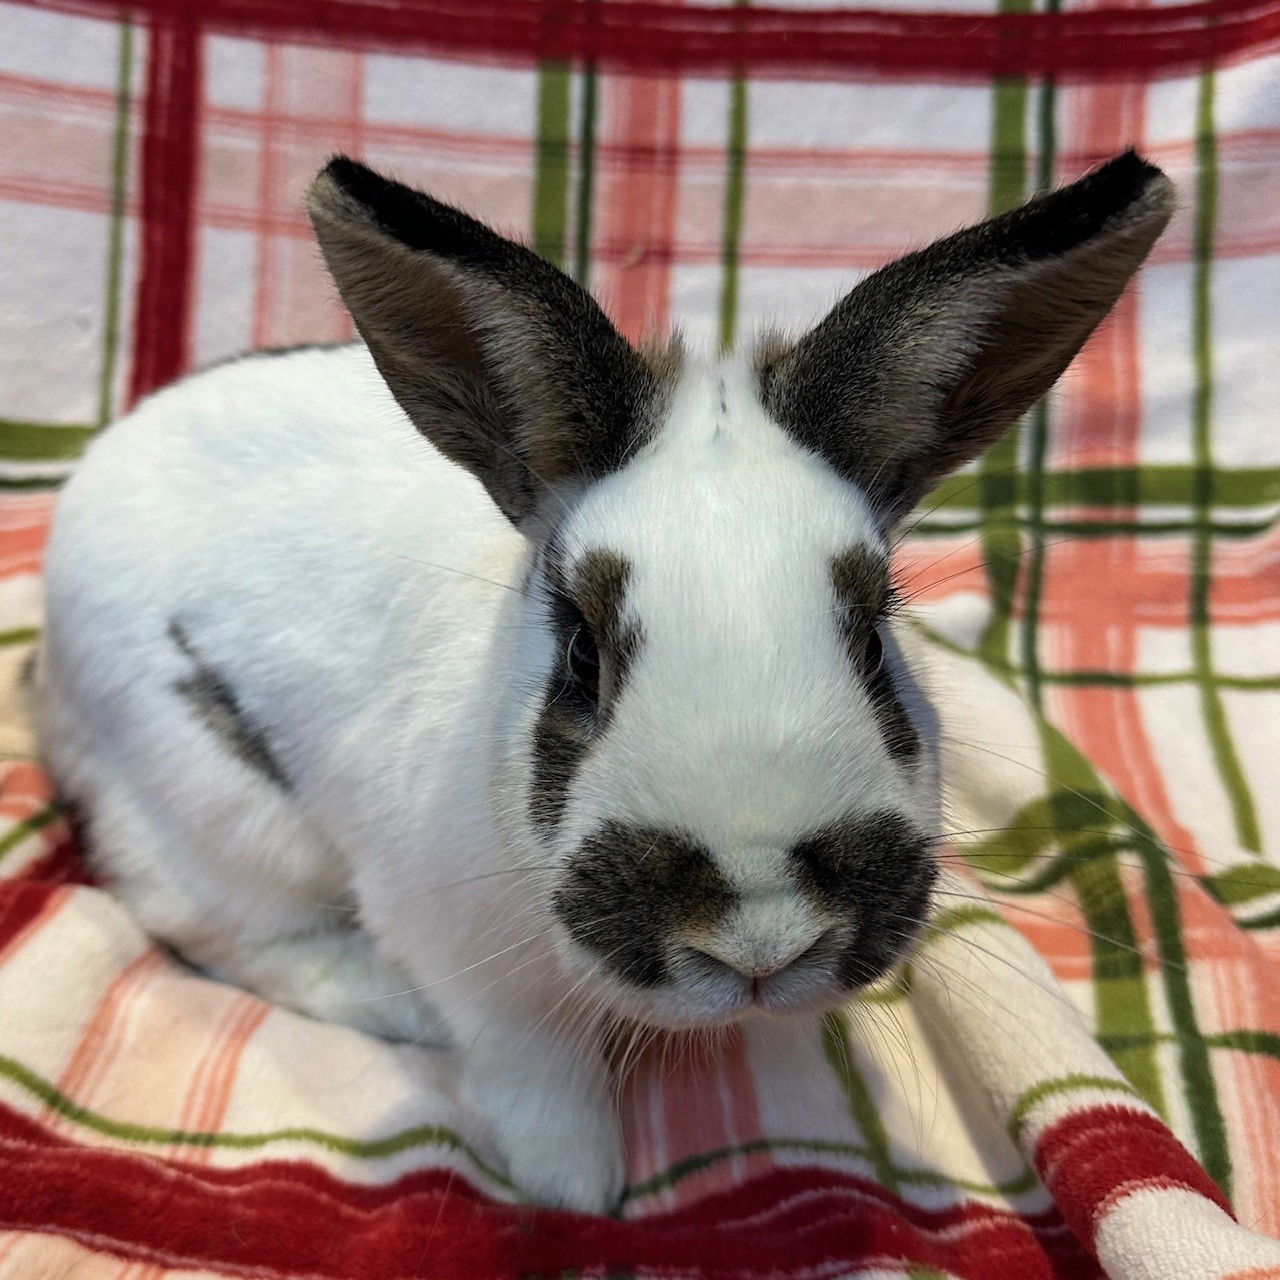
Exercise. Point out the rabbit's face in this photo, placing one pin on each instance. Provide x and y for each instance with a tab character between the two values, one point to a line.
729	763
723	755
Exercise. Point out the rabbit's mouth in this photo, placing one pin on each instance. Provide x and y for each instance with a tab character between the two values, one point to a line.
722	998
668	932
714	979
703	989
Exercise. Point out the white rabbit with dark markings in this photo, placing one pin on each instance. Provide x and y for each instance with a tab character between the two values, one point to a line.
489	680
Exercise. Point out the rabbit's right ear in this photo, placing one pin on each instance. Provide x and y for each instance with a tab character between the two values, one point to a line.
505	364
930	359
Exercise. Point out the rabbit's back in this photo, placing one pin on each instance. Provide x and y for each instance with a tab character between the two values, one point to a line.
300	460
249	580
273	496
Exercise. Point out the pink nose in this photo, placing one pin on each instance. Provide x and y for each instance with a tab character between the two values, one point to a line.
748	961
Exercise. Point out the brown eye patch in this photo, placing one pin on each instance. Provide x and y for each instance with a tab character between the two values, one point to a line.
596	646
599	591
863	592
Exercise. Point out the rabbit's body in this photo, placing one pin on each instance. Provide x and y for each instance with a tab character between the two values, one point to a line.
276	677
229	560
607	721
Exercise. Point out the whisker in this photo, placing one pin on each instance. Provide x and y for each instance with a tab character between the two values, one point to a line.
448	568
390	995
1066	924
487	875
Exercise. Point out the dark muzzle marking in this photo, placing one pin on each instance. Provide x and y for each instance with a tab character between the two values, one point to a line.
874	872
215	703
861	582
628	890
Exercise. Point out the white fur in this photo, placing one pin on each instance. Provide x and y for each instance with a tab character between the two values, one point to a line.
361	595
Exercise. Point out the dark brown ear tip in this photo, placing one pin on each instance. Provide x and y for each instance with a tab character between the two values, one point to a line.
1128	180
356	183
339	161
1128	168
349	190
1127	193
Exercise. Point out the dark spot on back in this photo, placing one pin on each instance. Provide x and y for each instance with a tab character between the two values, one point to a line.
216	704
861	581
628	891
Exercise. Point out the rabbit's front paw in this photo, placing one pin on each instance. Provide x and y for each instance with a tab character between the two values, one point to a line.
555	1124
567	1158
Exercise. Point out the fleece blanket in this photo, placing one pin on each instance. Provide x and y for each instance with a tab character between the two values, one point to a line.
1078	1075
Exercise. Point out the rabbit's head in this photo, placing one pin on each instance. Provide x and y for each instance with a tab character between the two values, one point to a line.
722	752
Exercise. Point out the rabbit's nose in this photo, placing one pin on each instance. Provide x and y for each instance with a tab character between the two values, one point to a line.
757	955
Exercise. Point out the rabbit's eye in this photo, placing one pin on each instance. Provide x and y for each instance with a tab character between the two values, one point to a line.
584	661
873	655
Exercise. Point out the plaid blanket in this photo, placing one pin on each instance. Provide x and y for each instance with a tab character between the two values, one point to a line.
1079	1073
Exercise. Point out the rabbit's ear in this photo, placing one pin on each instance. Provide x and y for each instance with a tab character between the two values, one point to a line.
504	363
930	359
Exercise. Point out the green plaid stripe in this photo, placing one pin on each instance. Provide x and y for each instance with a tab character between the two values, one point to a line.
552	162
734	195
1154	485
1001	543
115	240
26	442
588	83
861	1100
42	441
1215	718
564	168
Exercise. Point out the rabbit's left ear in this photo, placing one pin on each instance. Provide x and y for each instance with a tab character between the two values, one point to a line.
930	359
503	362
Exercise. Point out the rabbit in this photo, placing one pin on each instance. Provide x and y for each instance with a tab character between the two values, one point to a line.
491	682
